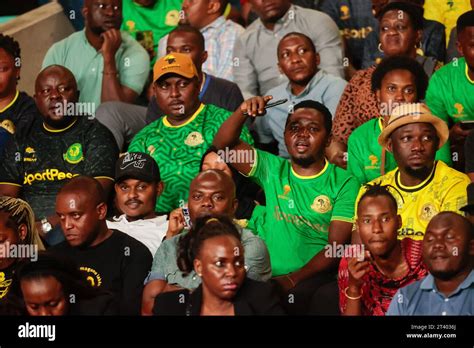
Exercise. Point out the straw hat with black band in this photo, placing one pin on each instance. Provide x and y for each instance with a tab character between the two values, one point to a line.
413	113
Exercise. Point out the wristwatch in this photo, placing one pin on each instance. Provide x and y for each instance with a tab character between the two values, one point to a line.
45	225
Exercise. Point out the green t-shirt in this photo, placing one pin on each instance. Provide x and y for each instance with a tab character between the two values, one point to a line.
364	154
87	64
299	209
149	25
450	94
178	150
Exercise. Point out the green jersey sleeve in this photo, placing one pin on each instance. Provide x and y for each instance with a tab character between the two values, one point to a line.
355	163
264	163
435	98
344	204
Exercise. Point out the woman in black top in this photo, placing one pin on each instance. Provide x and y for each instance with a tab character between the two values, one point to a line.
53	285
214	251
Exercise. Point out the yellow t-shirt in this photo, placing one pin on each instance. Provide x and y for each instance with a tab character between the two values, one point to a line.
443	190
446	12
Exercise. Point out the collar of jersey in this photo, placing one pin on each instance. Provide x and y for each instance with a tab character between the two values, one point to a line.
326	164
59	130
191	119
467	75
380	122
11	103
416	187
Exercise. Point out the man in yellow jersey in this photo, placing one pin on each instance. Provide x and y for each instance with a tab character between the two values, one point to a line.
422	186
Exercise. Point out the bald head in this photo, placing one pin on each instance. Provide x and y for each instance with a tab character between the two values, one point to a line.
58	70
448	219
85	186
81	208
212	192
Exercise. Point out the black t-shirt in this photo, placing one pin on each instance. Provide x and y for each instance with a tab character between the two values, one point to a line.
219	92
119	264
17	118
40	161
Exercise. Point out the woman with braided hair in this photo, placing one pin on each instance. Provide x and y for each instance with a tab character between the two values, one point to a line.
19	238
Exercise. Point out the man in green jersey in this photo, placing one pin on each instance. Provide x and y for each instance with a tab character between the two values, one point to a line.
451	88
395	81
149	20
309	202
178	140
63	143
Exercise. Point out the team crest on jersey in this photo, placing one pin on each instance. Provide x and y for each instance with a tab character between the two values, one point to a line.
92	276
428	210
459	110
194	139
172	18
321	204
74	154
30	155
8	125
4	284
286	191
345	14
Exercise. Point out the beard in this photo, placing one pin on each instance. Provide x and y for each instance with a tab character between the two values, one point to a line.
420	173
304	162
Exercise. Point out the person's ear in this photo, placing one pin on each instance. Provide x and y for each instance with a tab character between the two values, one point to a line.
22	232
101	210
471	247
377	96
214	6
235	205
389	145
459	48
197	267
399	221
85	11
159	189
279	68
204	57
419	37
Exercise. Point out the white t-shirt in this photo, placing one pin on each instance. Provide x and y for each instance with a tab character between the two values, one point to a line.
150	231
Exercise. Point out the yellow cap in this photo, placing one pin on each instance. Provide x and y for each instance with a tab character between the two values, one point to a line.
174	63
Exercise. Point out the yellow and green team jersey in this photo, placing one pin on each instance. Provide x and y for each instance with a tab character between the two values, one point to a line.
443	190
178	150
149	25
295	222
364	153
446	12
450	93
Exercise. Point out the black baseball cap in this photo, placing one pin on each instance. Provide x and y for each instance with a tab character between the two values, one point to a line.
470	198
137	165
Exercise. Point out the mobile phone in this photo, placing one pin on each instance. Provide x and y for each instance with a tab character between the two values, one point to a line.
467	125
272	104
187	218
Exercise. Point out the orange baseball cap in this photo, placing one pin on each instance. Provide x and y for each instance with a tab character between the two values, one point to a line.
174	63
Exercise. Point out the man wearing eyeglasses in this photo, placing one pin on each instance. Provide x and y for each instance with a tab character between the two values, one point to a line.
109	65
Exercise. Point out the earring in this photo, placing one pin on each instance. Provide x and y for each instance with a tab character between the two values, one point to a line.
380	47
199	274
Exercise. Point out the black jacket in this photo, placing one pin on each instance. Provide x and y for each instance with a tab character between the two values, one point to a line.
253	298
